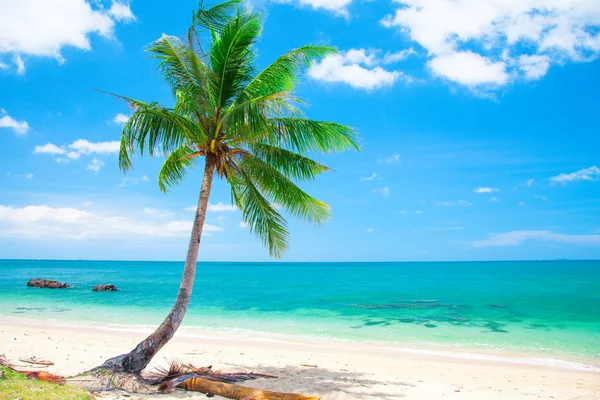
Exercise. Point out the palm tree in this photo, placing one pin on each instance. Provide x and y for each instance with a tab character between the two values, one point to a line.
247	127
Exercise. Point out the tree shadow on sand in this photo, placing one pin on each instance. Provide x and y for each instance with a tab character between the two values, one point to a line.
328	384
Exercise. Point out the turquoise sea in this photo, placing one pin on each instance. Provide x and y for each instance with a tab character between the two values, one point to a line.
540	309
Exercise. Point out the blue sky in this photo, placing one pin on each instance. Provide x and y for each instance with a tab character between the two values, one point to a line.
479	122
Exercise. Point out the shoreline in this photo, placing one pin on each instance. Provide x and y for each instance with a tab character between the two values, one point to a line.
343	370
550	360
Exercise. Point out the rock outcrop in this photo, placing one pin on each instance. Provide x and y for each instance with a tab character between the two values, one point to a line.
105	288
47	284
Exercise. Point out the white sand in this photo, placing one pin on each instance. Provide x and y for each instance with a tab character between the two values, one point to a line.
344	370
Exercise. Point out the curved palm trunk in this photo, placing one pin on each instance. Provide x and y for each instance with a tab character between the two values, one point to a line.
137	359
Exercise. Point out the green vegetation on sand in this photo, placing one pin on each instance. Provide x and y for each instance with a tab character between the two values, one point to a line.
15	386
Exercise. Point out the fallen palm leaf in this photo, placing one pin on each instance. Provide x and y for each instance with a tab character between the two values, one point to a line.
34	360
37	375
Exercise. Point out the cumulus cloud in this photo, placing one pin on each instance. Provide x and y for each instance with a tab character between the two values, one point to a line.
157	212
499	41
357	68
480	190
516	238
120	119
393	159
338	7
384	191
369	178
219	207
459	203
468	68
95	165
43	28
392	58
73	151
587	174
6	121
49	223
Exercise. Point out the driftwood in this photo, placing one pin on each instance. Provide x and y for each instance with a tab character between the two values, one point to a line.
34	360
205	380
196	384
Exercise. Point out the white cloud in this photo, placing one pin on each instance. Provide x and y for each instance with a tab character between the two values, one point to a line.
369	230
499	41
459	203
63	154
384	191
87	204
480	190
406	212
121	12
95	165
393	159
219	207
391	58
369	178
6	121
49	148
534	67
356	68
243	225
587	174
469	69
83	146
494	200
29	176
516	238
339	7
120	119
521	203
158	213
145	178
19	64
44	222
125	182
540	197
530	182
43	28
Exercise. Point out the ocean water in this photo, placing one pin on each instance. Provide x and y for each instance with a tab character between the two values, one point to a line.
541	309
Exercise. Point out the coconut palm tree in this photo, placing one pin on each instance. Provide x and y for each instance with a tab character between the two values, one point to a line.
248	128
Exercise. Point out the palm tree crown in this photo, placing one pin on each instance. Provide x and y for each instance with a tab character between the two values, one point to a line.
247	124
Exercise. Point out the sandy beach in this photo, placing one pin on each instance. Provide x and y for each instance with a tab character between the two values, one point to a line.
343	370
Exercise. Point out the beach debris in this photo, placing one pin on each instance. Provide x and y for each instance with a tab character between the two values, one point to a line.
34	360
309	365
106	287
47	284
206	380
37	375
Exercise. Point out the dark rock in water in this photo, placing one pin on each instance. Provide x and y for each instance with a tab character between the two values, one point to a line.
105	288
47	284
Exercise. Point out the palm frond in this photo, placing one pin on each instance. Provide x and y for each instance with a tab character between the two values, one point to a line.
232	57
160	129
260	215
305	135
283	74
175	167
291	164
282	191
216	17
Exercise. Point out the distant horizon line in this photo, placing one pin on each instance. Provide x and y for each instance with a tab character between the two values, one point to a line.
306	262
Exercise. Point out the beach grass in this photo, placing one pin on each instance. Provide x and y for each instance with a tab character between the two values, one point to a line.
15	386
